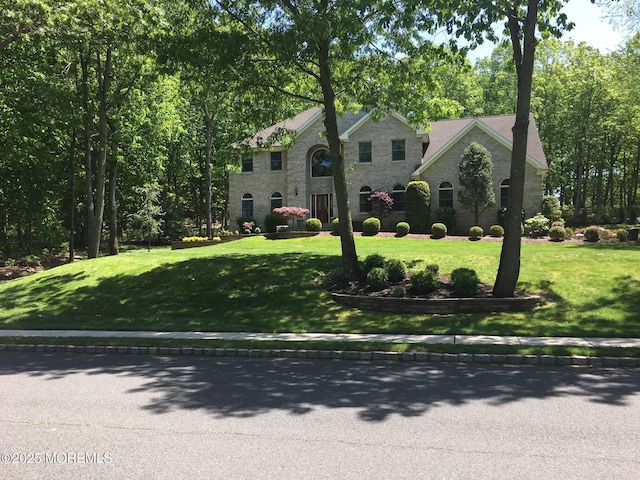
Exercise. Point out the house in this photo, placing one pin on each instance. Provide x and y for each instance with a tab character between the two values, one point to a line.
379	155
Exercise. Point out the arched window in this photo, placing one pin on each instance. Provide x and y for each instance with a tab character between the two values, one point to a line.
445	195
504	193
365	204
276	200
247	205
398	197
321	163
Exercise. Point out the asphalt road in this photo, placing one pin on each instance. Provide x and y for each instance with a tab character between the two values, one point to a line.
71	416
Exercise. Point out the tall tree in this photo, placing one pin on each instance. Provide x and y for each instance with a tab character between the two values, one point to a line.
475	21
105	39
476	179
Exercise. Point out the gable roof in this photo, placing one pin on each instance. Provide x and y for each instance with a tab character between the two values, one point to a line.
368	117
300	123
297	124
445	134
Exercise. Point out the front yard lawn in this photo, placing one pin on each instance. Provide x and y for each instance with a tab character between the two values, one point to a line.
263	285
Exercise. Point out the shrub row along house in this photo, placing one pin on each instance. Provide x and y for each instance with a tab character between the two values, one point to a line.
380	155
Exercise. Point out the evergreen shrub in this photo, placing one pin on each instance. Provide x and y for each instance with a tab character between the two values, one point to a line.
335	226
438	230
434	268
377	278
476	233
551	208
271	221
417	204
496	231
568	233
373	261
622	234
402	229
592	234
465	281
396	270
371	226
557	234
424	281
313	225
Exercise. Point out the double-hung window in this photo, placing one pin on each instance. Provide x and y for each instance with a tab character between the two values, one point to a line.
365	154
398	150
247	164
276	161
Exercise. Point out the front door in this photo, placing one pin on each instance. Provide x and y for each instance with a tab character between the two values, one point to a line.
322	206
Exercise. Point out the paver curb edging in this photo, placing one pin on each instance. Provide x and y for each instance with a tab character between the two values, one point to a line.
420	357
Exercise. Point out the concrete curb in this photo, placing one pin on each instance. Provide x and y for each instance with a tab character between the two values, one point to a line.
418	357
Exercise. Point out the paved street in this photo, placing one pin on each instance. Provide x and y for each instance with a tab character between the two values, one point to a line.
69	416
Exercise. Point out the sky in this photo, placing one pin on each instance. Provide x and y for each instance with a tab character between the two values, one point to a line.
590	28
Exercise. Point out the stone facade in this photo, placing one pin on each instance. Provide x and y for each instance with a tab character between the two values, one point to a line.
433	157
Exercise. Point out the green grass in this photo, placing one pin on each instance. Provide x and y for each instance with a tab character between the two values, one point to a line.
276	286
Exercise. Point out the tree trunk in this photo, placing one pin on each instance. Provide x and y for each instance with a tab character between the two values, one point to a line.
350	266
114	248
208	122
225	211
95	181
72	187
509	269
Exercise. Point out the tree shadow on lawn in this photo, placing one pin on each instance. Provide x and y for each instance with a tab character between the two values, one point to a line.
225	387
561	317
282	293
261	293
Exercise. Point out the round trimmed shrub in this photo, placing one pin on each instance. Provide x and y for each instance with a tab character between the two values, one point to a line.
622	235
424	281
476	233
313	225
465	281
496	231
402	229
438	230
370	227
557	234
568	232
377	278
257	230
373	261
335	226
592	234
396	270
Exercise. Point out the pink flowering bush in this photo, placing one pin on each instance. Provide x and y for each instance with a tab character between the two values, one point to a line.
290	212
248	227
